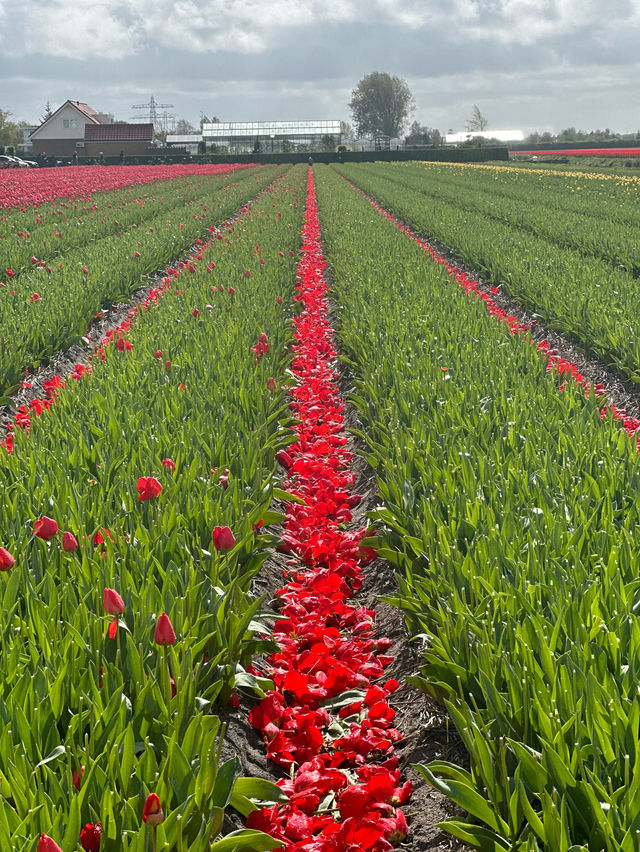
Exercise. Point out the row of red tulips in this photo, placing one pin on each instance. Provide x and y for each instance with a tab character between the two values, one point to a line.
328	721
31	188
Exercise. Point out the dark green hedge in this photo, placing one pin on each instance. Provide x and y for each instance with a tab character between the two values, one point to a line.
451	155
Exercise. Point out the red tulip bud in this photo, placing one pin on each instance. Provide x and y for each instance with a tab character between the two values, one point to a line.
223	538
45	528
77	777
47	844
169	464
158	353
113	603
69	542
164	634
6	560
90	837
152	813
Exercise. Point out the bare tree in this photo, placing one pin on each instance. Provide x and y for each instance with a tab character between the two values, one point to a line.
477	121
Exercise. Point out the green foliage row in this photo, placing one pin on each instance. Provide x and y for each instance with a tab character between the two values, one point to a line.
542	210
115	267
66	225
511	512
596	305
70	696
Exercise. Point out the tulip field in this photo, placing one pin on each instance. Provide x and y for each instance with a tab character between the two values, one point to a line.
287	320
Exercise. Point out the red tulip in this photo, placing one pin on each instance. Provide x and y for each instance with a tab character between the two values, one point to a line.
271	383
85	270
164	634
98	538
148	488
169	464
6	560
223	538
113	603
232	291
90	837
196	313
167	365
152	812
77	777
158	353
46	528
69	542
47	844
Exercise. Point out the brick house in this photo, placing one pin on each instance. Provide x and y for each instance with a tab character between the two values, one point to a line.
111	139
60	134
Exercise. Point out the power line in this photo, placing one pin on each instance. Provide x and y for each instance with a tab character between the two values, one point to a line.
151	114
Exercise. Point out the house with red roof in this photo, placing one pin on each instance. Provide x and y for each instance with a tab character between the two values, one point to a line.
75	127
60	134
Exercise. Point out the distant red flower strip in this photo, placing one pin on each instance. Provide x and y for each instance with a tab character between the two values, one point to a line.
335	750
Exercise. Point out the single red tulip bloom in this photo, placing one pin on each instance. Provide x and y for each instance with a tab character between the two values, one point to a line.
46	528
152	812
47	844
167	365
158	353
90	837
77	777
279	300
247	273
271	383
85	270
113	603
223	538
69	542
169	464
6	559
196	313
148	488
232	291
164	634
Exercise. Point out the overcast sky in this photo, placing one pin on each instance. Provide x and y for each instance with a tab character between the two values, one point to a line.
529	64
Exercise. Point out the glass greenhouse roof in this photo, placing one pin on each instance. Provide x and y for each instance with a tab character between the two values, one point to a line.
251	129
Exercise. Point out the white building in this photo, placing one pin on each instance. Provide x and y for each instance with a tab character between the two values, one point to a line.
188	141
500	135
246	136
63	132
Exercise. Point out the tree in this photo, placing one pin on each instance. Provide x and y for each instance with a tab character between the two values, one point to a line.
204	119
346	133
48	112
419	134
184	127
327	143
477	121
257	146
381	104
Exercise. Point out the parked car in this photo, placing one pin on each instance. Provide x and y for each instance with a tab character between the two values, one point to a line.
22	164
7	162
32	164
